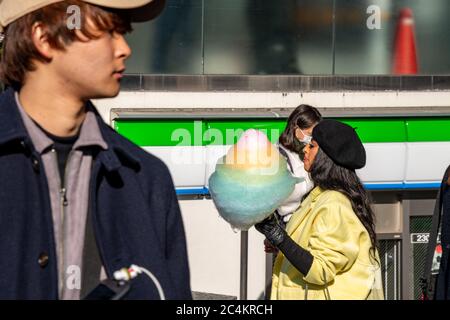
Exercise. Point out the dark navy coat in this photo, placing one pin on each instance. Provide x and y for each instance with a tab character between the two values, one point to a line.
443	280
135	212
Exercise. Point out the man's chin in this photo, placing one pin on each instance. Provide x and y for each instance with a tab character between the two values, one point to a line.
105	94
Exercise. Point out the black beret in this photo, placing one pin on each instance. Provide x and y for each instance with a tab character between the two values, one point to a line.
341	143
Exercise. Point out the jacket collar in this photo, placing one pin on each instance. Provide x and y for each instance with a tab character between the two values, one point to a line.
11	124
12	128
118	146
305	208
40	140
315	193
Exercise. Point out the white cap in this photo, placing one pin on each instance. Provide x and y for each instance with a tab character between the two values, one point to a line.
138	10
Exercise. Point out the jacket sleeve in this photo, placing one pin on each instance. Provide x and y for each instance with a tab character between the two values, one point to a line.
176	251
291	204
334	243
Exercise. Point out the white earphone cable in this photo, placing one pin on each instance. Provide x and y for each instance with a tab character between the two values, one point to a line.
133	271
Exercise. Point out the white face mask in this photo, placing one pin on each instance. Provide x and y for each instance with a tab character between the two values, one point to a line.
306	138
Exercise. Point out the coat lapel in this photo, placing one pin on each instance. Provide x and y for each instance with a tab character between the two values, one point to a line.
305	208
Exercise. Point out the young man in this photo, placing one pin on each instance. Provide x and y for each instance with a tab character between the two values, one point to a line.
78	201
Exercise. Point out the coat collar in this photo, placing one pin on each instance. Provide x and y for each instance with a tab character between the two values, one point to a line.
12	129
315	193
11	125
305	208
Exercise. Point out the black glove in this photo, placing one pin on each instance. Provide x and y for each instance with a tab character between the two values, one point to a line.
300	258
272	230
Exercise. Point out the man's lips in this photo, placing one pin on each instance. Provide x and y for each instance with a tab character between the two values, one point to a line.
119	74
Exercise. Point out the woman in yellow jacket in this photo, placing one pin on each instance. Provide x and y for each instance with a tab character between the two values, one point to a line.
328	250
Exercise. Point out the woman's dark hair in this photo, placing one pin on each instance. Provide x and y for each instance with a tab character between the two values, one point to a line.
330	176
304	116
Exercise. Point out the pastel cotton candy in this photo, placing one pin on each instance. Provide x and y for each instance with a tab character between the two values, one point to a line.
250	181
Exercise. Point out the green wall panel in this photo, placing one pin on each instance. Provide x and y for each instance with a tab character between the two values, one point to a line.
428	129
173	132
162	132
229	131
378	130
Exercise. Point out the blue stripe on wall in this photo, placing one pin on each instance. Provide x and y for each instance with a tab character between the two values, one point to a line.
402	186
193	191
368	186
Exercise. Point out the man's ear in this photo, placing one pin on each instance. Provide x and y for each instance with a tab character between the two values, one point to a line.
40	39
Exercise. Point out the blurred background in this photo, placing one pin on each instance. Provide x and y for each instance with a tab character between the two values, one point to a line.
294	37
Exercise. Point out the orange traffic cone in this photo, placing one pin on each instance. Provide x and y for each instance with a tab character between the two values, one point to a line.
405	57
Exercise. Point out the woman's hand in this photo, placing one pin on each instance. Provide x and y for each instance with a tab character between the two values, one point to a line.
274	233
269	248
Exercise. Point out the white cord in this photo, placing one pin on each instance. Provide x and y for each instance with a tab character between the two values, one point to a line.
133	271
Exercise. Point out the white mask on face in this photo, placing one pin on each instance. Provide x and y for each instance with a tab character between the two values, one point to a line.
306	138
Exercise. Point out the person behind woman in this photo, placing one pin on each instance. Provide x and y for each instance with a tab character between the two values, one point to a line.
291	143
328	250
295	136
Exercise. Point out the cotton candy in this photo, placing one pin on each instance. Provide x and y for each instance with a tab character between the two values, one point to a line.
250	181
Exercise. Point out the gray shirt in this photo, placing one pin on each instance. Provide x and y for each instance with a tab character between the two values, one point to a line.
69	203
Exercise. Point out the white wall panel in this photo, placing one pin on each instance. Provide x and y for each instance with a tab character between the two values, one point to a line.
186	164
213	153
385	163
213	249
427	161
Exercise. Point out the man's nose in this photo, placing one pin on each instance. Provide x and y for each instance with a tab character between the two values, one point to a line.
123	50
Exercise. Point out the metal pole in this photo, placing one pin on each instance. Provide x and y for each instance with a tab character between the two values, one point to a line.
406	262
244	265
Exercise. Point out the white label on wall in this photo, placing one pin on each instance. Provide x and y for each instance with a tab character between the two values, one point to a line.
420	237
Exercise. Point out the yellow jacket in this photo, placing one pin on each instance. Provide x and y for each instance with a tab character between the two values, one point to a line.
326	226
